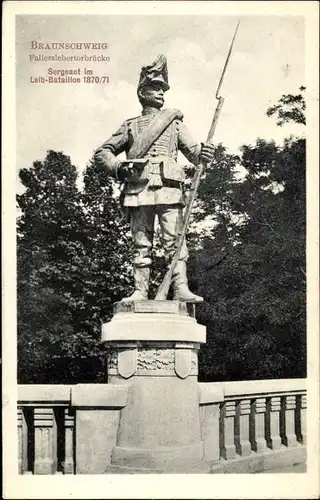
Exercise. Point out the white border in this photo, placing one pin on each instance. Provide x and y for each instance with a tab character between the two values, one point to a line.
157	486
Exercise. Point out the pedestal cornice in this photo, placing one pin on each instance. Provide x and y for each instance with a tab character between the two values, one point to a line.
153	321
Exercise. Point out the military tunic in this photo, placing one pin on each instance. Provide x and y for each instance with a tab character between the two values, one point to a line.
175	137
161	196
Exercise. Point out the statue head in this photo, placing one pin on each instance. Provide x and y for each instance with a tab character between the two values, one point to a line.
153	83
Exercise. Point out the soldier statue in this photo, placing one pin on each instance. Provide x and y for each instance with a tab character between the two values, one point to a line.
152	180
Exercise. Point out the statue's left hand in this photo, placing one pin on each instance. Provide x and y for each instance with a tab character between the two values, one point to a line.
206	153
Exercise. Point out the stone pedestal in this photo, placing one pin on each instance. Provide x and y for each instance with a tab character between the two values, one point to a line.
153	348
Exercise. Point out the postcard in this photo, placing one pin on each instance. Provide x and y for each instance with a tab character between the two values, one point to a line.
160	260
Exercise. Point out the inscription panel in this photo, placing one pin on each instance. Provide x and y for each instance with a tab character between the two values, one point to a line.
155	306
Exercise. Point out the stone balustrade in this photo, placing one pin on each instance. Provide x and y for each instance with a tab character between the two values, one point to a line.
245	426
261	424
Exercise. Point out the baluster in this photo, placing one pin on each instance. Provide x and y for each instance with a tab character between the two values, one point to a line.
243	445
228	449
258	415
45	435
68	463
290	438
22	442
274	408
303	417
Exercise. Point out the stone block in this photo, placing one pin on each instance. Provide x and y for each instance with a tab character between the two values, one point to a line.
97	420
209	417
210	393
96	434
99	396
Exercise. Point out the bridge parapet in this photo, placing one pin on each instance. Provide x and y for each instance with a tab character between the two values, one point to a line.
246	426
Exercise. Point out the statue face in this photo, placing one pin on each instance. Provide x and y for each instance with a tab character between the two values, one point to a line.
152	95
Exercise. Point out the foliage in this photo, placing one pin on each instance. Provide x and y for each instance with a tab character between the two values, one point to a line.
251	267
109	250
247	245
72	265
289	108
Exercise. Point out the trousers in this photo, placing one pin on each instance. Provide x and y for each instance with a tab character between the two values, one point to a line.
142	219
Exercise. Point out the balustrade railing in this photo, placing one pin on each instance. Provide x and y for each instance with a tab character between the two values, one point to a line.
258	418
239	421
45	429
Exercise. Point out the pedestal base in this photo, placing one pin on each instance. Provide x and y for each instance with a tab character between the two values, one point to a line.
153	347
165	458
202	468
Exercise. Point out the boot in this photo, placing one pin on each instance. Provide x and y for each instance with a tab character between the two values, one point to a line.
141	284
180	285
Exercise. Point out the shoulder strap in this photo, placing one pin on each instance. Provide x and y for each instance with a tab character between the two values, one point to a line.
152	132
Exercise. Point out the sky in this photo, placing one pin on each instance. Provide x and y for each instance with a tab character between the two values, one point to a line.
268	61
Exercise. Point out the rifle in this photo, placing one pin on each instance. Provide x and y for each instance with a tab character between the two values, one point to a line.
166	282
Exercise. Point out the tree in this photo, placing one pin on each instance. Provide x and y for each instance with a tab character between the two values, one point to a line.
47	238
109	241
251	267
74	254
290	108
72	266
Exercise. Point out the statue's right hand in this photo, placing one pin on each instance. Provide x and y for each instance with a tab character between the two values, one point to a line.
123	172
130	170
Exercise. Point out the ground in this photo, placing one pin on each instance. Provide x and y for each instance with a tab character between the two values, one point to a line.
295	468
